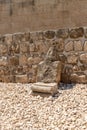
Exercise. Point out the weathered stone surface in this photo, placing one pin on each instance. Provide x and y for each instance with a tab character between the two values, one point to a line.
69	46
32	74
32	47
9	78
85	72
23	59
49	34
13	60
45	87
1	78
86	32
85	46
76	33
26	36
67	70
49	72
21	79
16	70
72	59
52	54
65	78
3	61
8	39
40	35
59	44
83	58
63	33
77	45
25	69
78	79
24	47
1	71
30	60
41	47
76	68
62	58
14	48
3	49
17	37
21	51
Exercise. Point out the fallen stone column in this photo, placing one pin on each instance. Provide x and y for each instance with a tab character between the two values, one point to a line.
50	88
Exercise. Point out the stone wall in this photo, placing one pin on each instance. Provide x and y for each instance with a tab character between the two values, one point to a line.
33	15
20	54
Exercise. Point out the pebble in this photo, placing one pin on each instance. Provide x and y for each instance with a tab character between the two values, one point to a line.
20	110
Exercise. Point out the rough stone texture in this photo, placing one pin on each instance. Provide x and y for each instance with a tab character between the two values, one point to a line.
85	46
77	45
49	34
21	79
72	59
78	79
3	61
21	53
76	33
13	60
69	46
63	33
83	58
49	72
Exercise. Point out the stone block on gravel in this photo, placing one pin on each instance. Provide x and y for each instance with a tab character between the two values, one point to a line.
41	87
49	72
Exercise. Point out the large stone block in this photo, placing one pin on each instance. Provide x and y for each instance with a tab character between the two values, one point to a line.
78	78
49	72
3	49
41	47
32	47
9	78
24	47
59	44
69	46
83	58
23	59
49	34
77	45
35	36
77	32
66	72
13	60
3	61
63	33
85	46
52	54
8	39
72	59
14	48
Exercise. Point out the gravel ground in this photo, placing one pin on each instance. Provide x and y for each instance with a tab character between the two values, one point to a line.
20	109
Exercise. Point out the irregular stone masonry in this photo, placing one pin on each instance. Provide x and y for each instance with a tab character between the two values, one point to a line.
20	54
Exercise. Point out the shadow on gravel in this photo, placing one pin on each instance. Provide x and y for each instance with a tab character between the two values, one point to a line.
63	86
41	94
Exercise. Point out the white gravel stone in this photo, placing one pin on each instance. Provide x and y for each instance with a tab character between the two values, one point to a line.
21	110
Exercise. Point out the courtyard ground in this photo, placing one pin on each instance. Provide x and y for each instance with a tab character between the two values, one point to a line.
20	109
